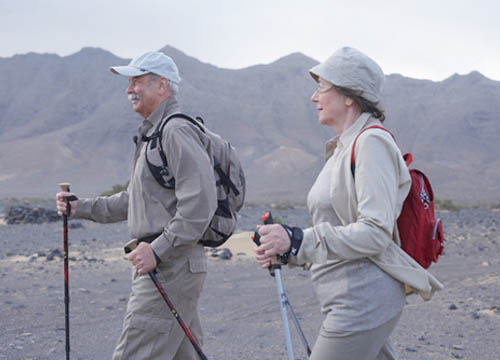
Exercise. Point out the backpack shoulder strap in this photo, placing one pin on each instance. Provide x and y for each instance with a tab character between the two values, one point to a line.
156	142
158	133
353	163
198	122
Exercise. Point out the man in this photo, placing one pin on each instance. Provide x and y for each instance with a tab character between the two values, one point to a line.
166	222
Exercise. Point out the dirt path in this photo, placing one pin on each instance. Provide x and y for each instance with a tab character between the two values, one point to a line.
240	309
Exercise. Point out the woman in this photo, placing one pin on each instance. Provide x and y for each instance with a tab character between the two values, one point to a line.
357	268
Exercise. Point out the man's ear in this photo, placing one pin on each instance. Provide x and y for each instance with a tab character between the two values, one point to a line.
348	101
163	85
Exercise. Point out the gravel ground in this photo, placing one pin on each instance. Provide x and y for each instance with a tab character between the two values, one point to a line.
240	310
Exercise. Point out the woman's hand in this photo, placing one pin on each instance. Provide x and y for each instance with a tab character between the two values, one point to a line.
274	241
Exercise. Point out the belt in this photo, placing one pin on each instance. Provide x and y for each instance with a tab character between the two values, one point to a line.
149	239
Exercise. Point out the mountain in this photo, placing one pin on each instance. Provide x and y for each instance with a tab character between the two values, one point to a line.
68	119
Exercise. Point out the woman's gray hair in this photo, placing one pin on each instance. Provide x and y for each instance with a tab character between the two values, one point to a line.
174	88
365	105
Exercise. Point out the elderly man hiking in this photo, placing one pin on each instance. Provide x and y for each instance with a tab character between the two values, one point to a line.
167	221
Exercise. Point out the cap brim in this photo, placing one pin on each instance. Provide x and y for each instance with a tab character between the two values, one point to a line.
127	71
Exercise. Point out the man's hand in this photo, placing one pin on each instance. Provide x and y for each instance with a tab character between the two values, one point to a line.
143	258
274	240
61	203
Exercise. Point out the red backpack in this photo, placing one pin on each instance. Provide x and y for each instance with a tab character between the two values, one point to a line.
421	233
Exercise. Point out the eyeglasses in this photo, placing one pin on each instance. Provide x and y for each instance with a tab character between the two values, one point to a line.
323	87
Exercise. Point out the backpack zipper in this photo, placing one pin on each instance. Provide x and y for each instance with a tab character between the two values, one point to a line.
424	198
434	232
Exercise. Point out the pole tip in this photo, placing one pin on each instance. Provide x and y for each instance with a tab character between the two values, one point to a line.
65	186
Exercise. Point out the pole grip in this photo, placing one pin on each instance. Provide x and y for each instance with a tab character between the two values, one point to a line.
275	261
65	186
130	246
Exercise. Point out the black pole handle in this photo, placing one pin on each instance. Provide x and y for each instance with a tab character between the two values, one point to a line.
267	219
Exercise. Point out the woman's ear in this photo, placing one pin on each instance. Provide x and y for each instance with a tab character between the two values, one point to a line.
348	101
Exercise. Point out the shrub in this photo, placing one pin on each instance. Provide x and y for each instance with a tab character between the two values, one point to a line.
278	219
445	205
115	189
282	206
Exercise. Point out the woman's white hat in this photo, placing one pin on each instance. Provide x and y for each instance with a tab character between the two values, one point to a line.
352	69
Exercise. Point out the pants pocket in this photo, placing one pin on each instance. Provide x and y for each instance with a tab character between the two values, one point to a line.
146	336
198	265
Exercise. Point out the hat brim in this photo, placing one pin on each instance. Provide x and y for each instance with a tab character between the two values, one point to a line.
317	71
128	71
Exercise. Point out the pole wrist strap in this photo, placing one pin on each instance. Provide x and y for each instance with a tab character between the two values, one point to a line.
296	236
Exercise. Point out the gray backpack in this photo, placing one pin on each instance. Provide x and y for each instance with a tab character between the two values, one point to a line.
229	176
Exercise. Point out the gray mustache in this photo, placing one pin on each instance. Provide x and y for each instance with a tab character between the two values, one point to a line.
132	97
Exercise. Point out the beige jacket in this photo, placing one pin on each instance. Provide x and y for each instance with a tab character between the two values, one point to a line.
180	215
367	208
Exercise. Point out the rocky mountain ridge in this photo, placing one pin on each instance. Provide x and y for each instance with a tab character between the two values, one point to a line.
68	119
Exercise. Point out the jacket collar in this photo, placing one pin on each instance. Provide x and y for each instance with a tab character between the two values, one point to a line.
348	135
351	132
167	107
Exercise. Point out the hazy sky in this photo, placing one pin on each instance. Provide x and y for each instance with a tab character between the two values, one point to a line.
429	39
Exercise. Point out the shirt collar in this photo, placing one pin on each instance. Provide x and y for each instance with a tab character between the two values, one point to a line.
352	131
166	108
348	135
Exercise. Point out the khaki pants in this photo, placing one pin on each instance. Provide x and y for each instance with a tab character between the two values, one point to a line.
373	344
150	331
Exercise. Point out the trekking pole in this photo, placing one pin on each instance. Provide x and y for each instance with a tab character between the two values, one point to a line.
65	187
267	219
152	274
297	326
275	270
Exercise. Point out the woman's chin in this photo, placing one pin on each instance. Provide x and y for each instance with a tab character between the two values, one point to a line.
325	121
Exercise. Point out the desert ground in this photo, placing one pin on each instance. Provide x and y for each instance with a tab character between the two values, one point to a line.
240	309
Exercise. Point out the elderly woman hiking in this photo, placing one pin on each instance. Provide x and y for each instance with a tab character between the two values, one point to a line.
357	267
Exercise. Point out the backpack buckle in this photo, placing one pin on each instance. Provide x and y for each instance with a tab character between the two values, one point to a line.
164	171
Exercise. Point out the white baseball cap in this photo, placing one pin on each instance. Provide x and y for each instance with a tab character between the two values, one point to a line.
151	62
352	69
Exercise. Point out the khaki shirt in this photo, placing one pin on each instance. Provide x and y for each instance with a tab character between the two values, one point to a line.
367	208
182	214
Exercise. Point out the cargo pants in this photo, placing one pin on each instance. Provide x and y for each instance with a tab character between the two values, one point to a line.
150	331
373	344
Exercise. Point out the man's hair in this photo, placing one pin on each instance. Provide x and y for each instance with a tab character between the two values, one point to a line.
174	88
365	105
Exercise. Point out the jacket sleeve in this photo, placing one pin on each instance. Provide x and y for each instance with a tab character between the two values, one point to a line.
104	209
378	167
195	189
